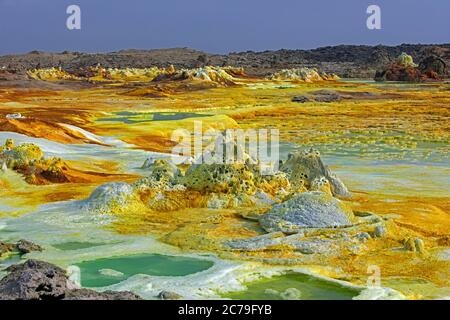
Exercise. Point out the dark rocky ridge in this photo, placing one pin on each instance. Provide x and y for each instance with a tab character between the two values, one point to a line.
348	61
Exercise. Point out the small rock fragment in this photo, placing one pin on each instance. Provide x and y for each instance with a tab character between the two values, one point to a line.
288	294
414	245
169	295
363	236
409	245
24	246
326	96
312	209
88	294
379	232
6	247
420	246
291	294
300	99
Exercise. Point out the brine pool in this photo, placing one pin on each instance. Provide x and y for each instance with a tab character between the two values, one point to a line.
109	271
294	286
139	117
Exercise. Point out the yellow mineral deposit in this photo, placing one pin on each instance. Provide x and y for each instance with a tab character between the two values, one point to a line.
362	132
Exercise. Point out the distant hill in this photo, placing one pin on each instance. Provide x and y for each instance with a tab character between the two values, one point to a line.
344	60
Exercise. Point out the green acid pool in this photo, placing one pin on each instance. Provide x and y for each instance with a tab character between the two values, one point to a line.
294	286
109	271
76	245
139	117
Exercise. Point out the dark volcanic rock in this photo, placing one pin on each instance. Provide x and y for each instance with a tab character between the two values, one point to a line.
432	67
398	72
87	294
331	95
24	246
326	96
403	73
33	280
433	64
38	280
380	75
169	295
300	99
6	247
380	56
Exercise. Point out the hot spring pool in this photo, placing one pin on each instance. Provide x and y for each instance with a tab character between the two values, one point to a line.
294	286
109	271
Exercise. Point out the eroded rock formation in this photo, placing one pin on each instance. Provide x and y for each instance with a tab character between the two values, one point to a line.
303	75
404	69
28	159
314	209
216	185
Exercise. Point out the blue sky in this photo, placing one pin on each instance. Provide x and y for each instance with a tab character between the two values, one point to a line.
217	26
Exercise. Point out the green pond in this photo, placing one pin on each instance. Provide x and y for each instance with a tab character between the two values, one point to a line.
109	271
295	286
137	117
76	245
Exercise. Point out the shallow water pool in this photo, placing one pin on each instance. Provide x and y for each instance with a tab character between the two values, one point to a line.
109	271
300	287
138	117
76	245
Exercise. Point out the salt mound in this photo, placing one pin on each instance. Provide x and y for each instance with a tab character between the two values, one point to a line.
302	74
135	74
220	75
313	209
225	76
115	196
51	74
306	170
98	73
